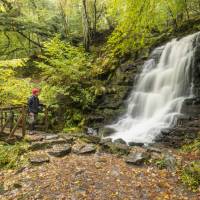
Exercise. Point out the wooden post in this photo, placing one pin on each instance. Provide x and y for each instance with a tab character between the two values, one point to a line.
11	119
46	118
4	126
15	127
5	119
1	120
23	121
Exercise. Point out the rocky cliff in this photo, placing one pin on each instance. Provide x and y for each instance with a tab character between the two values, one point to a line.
112	104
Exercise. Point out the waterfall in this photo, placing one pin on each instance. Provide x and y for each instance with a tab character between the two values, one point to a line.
155	102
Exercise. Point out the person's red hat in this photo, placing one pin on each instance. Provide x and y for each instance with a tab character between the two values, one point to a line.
35	90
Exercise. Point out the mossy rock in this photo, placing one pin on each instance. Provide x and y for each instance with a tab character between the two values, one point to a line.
90	139
115	148
138	158
106	131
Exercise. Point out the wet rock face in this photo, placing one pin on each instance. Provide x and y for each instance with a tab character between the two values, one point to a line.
156	54
113	103
119	141
187	126
195	72
105	131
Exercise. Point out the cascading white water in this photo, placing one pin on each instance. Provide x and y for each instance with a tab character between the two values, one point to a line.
156	101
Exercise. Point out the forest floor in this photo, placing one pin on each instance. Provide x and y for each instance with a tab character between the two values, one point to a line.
92	177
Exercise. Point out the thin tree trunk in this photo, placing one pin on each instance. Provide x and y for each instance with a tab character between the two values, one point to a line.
95	18
174	19
62	12
86	28
187	11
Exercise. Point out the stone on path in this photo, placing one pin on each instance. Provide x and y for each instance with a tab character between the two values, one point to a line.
154	149
51	137
77	147
60	150
106	131
46	144
135	144
119	148
39	158
88	148
170	162
34	138
115	148
69	139
105	141
90	139
137	158
119	141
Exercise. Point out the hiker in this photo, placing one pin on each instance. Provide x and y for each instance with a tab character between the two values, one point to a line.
34	106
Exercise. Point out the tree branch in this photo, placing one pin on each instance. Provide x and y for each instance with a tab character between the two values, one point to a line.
32	41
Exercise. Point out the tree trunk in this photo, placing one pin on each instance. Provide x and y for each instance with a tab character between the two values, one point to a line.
63	15
86	27
187	11
95	18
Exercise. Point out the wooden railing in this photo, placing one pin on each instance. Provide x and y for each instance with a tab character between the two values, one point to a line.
15	117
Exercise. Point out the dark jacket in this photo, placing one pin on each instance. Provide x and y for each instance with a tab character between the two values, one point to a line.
34	105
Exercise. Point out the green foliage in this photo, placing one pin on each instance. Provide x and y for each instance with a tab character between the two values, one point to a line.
161	163
193	147
140	22
134	26
13	90
67	73
25	24
49	94
13	156
12	64
191	175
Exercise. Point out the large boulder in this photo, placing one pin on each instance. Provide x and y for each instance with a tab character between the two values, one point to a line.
39	158
87	149
90	138
46	144
119	141
170	162
105	141
115	148
135	144
60	150
68	138
51	137
137	158
106	131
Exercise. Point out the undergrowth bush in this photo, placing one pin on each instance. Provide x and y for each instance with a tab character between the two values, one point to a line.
193	147
13	156
13	90
67	79
191	175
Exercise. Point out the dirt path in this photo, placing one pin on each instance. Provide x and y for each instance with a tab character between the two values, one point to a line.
92	177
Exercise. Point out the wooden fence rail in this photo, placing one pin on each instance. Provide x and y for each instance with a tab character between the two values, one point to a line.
15	117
